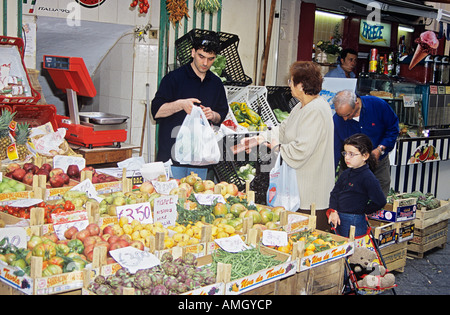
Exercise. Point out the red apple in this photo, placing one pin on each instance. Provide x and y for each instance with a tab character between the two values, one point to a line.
116	245
123	243
89	168
93	229
106	237
66	178
46	167
34	170
137	244
57	181
104	244
108	230
28	167
126	238
43	172
28	179
56	171
73	171
113	239
11	167
147	187
91	240
18	174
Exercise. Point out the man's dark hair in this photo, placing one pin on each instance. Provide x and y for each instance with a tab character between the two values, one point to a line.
210	43
347	51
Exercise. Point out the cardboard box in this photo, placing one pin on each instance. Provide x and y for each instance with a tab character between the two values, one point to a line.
399	211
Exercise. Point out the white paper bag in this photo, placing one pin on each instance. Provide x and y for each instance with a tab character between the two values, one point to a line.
195	143
283	188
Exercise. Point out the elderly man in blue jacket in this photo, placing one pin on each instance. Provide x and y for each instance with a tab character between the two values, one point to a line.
373	117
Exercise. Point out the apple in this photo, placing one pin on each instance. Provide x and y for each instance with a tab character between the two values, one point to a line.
43	172
66	178
106	237
147	187
188	188
232	189
28	167
209	184
11	167
34	170
93	229
56	171
103	244
46	167
117	245
18	174
109	230
68	234
57	181
89	169
28	179
89	251
126	238
137	244
73	171
113	239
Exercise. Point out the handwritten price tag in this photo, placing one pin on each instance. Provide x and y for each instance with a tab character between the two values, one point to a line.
134	259
232	244
208	199
166	210
141	212
274	238
164	188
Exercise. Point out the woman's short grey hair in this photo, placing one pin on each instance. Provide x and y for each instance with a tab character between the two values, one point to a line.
344	97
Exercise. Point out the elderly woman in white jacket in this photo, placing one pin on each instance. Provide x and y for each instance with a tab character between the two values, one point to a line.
306	140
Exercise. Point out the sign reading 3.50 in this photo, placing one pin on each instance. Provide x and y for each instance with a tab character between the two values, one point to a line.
141	212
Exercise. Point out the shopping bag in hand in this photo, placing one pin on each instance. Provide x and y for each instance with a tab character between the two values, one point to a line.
196	143
283	188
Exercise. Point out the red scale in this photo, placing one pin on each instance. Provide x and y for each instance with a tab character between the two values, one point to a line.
87	129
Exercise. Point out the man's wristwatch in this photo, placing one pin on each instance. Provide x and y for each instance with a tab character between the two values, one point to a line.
381	148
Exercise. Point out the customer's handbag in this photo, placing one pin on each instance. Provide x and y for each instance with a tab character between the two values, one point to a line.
283	187
196	143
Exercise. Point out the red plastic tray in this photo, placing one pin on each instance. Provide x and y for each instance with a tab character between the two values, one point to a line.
19	100
36	115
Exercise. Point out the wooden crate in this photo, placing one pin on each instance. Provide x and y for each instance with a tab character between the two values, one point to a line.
395	256
426	218
427	239
327	279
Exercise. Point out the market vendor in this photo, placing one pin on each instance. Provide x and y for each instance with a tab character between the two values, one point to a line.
190	85
346	68
306	140
373	117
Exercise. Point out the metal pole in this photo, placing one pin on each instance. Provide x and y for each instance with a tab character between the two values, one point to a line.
5	18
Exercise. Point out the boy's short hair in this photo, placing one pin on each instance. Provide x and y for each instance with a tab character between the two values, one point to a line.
347	51
210	43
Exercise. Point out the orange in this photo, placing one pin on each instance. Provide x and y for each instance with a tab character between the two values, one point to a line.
310	247
284	249
319	241
308	253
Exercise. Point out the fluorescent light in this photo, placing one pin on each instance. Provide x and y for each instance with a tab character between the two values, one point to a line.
330	15
406	29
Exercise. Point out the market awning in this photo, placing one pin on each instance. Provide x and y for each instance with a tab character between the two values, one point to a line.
412	8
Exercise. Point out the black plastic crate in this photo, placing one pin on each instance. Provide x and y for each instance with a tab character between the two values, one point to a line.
234	72
281	97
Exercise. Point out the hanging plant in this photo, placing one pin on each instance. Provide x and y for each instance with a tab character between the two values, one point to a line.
208	6
177	10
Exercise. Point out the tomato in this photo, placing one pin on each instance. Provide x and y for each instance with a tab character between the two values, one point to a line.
69	206
76	246
62	249
77	264
52	270
45	250
20	263
34	240
59	261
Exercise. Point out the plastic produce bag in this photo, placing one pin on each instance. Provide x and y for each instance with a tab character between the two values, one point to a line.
283	188
196	143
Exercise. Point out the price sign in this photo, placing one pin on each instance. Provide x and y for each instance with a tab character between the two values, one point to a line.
408	101
134	259
274	238
166	210
232	244
164	188
141	212
88	188
209	199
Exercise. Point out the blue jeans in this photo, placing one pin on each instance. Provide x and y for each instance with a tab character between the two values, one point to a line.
347	220
178	172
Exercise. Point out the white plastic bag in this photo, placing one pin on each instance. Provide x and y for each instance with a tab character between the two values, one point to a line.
283	188
196	143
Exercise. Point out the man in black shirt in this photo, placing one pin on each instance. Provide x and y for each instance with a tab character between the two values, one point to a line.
190	85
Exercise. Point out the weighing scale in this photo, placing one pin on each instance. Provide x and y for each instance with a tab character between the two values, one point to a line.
92	129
